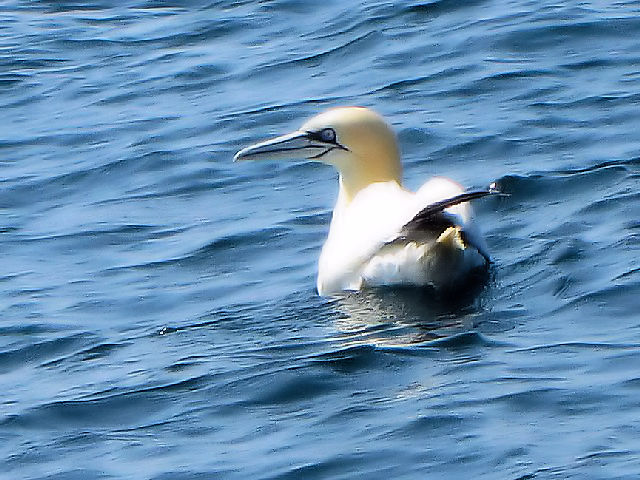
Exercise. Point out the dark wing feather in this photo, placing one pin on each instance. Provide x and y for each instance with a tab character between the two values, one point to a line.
431	221
431	211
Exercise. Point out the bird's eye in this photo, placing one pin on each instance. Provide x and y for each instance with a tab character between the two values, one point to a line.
328	135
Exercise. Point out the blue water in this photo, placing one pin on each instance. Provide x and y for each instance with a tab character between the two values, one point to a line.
158	313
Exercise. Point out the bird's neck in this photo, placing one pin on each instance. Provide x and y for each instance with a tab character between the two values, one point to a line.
352	181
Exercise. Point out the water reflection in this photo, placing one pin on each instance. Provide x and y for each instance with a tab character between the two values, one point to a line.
408	315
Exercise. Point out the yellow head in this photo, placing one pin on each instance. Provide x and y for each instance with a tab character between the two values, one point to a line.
355	140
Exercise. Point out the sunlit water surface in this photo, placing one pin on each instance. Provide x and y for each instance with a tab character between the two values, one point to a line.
158	313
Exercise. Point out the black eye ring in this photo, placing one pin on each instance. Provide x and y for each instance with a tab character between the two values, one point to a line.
328	135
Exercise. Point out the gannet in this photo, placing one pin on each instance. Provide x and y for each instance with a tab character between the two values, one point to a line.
381	234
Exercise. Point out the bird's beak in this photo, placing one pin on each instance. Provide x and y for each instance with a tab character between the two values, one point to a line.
299	144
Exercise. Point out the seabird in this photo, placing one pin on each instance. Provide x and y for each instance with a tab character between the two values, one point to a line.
381	233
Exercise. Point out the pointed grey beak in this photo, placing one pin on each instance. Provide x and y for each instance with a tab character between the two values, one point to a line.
294	145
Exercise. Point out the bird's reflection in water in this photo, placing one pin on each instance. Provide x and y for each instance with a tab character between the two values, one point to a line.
407	316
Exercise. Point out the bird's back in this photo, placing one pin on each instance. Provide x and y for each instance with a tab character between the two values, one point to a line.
367	246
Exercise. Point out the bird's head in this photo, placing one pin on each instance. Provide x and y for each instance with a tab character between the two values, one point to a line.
355	140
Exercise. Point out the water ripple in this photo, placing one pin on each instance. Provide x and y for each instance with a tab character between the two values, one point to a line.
158	301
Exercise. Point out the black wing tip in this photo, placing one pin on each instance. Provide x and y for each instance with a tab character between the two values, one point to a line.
494	189
457	199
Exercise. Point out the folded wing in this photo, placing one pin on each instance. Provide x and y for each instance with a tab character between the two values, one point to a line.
430	222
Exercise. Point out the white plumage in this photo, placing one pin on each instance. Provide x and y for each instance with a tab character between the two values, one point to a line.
357	250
